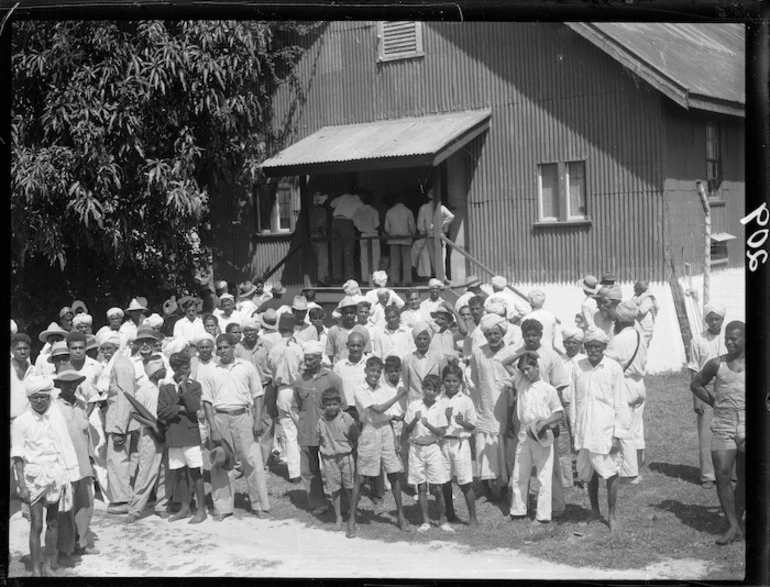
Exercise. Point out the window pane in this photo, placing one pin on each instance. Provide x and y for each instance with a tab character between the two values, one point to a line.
712	142
549	190
265	202
577	188
283	201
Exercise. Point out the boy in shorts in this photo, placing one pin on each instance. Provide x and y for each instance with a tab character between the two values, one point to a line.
455	444
393	385
426	424
376	445
337	433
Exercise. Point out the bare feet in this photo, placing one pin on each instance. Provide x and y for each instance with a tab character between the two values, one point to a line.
613	524
338	525
404	525
180	515
46	571
732	535
473	523
594	517
351	533
199	516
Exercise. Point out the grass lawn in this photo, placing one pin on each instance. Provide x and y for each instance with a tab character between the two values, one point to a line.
667	516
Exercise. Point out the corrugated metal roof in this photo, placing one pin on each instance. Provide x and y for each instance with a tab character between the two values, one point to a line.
699	66
424	140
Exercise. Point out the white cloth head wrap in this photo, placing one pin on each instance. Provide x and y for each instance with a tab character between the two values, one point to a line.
114	312
433	282
38	384
108	337
312	347
154	320
572	332
497	308
152	366
536	298
490	321
226	296
379	278
176	345
499	281
82	318
204	336
715	309
420	327
351	287
250	323
14	326
595	335
627	311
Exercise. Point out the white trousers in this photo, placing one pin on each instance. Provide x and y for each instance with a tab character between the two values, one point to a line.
529	453
287	416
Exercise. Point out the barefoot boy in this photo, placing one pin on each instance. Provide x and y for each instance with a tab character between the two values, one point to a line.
425	424
376	445
337	433
455	444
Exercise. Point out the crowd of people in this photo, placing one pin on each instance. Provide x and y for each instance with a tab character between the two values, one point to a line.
406	396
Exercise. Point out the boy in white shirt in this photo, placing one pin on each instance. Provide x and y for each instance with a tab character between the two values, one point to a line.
455	444
537	407
426	424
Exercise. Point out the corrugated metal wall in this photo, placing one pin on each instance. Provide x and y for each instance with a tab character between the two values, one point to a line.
554	97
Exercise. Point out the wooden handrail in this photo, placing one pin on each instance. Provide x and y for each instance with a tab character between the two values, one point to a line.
283	261
478	263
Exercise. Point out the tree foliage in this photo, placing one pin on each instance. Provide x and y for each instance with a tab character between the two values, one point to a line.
119	130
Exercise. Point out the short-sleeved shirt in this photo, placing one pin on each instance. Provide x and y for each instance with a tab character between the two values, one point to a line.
550	365
189	329
77	424
334	435
353	377
366	397
367	220
704	347
345	206
399	342
337	340
231	386
399	220
460	404
307	397
435	414
535	401
386	391
284	361
427	306
224	321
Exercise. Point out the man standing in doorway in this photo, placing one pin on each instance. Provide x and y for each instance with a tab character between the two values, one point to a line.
343	233
400	227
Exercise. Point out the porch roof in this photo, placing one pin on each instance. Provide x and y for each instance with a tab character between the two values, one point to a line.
423	141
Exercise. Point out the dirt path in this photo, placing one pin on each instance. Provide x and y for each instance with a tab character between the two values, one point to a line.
248	547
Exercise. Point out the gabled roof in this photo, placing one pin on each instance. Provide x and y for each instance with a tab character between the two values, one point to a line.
699	66
422	141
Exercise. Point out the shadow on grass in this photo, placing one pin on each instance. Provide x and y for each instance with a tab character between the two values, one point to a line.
699	517
684	472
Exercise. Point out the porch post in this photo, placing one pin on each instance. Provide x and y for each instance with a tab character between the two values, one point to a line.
304	198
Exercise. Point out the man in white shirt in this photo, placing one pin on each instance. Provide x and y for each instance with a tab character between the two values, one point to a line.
351	370
135	313
433	302
515	307
426	230
190	326
551	331
400	227
393	338
21	369
343	235
367	220
226	312
588	306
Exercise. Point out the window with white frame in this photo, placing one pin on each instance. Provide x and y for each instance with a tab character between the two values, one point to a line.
277	205
561	188
399	40
714	160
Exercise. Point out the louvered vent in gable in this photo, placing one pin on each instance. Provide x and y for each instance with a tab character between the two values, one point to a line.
399	40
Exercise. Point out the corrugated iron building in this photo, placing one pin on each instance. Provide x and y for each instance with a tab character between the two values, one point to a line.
623	117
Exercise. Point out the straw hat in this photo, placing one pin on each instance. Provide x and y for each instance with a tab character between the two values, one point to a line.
53	328
136	305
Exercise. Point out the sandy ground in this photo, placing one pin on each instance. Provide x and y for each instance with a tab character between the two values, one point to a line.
249	547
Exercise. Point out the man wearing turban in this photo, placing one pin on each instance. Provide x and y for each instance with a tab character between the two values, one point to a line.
647	309
572	338
706	345
601	419
491	392
44	465
629	349
422	361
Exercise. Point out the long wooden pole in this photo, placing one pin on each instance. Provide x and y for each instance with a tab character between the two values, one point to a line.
707	242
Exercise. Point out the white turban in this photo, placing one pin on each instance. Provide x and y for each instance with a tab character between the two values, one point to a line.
497	308
108	337
204	336
154	320
114	312
433	282
421	327
595	335
714	309
536	297
226	296
312	347
379	278
351	287
82	318
572	332
14	326
250	323
499	281
490	321
38	384
176	345
152	366
626	311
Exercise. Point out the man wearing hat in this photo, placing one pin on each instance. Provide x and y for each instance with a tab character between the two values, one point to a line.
607	300
54	333
303	331
248	346
83	322
628	348
337	337
490	390
311	382
221	287
433	302
190	325
246	304
706	345
400	227
608	279
114	322
421	362
601	418
152	458
343	235
128	329
65	318
269	337
74	523
444	338
275	301
588	306
284	361
232	394
472	288
44	462
572	338
647	307
226	313
60	355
